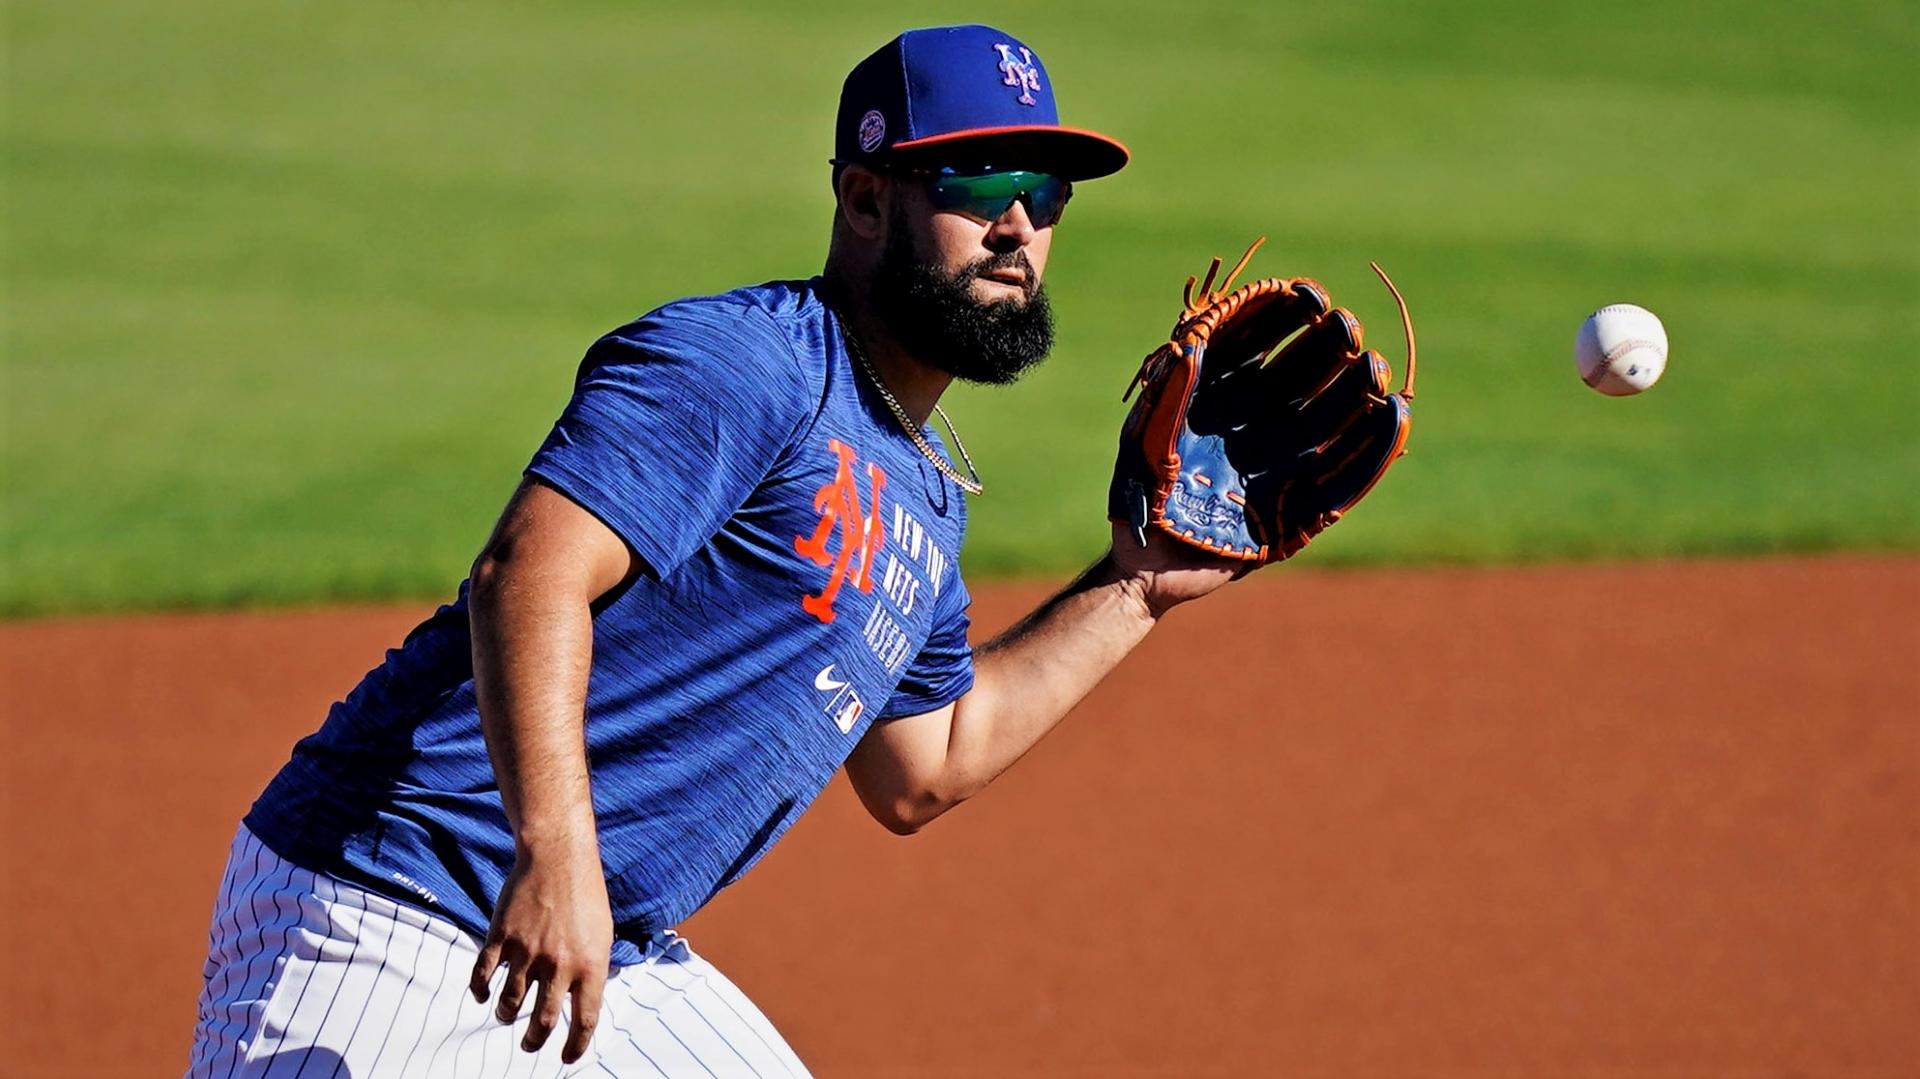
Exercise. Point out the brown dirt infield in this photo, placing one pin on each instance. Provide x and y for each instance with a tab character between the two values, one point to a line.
1646	820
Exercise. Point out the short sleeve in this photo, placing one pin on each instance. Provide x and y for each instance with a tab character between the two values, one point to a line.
674	420
943	671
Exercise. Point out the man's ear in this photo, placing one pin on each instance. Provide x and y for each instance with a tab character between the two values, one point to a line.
863	201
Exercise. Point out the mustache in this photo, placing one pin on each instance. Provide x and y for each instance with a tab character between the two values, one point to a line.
1005	260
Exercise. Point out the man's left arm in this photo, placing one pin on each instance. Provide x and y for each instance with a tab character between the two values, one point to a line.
910	770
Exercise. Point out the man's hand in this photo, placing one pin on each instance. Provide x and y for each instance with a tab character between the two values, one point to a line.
1168	573
553	929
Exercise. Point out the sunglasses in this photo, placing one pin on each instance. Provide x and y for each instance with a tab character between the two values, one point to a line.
986	194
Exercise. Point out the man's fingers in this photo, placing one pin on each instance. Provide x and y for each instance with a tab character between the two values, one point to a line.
546	1015
483	969
586	1014
513	992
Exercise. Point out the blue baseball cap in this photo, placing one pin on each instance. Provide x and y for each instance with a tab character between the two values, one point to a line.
968	95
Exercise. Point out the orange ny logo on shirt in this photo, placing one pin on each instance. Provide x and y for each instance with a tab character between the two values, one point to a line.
860	532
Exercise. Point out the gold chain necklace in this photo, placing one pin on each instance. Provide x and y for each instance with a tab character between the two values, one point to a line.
971	486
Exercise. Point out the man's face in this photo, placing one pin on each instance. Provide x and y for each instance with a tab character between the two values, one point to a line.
962	294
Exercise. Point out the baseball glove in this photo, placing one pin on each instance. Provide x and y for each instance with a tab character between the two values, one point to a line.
1260	421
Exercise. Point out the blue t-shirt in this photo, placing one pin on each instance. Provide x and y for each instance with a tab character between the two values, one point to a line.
801	583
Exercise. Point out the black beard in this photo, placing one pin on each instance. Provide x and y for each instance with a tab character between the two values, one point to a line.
937	320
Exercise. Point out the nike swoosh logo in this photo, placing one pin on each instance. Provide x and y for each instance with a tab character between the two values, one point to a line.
825	682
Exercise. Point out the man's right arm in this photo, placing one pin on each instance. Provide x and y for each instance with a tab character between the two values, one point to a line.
674	420
531	610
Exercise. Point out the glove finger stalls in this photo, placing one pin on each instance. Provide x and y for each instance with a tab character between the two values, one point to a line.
1310	386
1307	367
1346	467
1280	431
1237	348
1270	317
1355	386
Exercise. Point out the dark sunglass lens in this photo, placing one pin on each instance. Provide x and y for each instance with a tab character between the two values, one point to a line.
987	195
1047	201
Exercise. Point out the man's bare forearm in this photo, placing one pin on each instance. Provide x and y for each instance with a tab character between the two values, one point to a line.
1028	678
909	771
532	649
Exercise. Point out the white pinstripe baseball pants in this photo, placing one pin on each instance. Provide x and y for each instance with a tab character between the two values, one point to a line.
309	976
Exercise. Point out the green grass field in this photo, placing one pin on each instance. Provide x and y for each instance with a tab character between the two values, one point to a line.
294	290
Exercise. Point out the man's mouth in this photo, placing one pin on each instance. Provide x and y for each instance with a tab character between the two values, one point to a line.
1012	276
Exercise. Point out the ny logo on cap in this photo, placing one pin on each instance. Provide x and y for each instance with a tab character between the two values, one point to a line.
1022	72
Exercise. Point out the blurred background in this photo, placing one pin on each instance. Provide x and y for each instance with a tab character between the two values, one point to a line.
294	290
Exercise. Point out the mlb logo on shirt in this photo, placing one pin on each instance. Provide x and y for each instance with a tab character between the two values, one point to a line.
845	708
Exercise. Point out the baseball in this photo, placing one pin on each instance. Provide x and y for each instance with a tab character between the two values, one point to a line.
1621	349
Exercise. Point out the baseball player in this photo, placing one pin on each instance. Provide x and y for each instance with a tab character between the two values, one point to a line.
731	569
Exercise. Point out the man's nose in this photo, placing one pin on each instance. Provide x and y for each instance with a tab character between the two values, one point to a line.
1012	230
